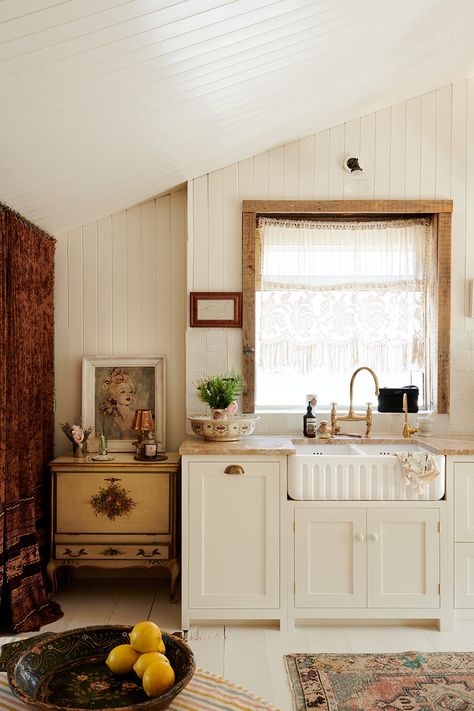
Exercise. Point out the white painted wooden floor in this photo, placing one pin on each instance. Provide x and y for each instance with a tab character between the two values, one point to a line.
251	656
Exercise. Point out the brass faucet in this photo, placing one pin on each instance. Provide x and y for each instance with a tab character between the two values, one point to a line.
407	430
351	416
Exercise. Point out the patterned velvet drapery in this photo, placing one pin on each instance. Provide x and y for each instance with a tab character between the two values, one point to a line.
26	418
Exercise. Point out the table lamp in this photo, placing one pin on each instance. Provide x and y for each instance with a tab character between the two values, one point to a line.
147	449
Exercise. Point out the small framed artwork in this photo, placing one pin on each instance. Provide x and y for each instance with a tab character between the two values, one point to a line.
113	387
216	309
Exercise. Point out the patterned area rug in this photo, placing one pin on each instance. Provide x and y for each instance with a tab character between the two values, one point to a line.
410	681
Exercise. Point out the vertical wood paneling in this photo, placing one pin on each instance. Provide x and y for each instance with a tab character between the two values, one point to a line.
89	242
134	292
61	345
216	231
104	287
147	253
119	283
290	171
275	172
443	142
367	149
413	149
336	162
428	145
458	139
321	165
469	187
232	269
176	390
260	177
201	234
75	318
397	150
351	147
164	278
419	148
382	153
306	168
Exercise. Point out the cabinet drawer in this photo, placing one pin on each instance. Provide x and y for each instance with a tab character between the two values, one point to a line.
107	503
114	551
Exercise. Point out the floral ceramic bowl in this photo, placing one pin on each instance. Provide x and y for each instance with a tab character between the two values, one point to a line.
230	429
68	671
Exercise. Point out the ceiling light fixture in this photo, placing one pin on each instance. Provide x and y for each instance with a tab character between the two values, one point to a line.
358	183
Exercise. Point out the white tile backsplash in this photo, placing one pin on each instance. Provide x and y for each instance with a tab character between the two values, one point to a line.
216	339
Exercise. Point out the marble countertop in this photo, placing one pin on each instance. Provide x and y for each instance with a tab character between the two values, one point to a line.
449	444
253	444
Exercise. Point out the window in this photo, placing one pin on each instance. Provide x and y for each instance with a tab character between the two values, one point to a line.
325	295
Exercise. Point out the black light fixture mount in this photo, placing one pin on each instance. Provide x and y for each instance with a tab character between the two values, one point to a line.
353	165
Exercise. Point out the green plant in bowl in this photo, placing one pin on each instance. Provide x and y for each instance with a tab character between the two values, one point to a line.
219	391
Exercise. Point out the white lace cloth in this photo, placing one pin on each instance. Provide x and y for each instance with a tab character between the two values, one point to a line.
334	295
418	469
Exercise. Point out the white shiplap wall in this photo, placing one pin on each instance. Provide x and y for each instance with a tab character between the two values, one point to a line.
420	148
121	290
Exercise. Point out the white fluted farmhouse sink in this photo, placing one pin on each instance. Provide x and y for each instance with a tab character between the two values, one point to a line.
357	472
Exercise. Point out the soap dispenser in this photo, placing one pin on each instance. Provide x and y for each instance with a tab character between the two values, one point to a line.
309	420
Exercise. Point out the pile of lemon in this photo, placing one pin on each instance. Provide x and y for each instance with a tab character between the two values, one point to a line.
146	656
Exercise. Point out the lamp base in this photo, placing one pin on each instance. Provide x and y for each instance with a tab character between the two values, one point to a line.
156	458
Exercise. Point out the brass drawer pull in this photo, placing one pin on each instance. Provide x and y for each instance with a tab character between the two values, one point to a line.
155	551
234	469
68	552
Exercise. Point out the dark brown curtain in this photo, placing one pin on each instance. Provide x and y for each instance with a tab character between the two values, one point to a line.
26	419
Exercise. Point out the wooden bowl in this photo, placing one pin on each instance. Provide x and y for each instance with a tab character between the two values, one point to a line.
67	671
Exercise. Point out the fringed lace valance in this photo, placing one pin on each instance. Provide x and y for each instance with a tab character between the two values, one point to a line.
335	295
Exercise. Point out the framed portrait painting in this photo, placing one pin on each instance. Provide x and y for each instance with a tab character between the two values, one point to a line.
114	387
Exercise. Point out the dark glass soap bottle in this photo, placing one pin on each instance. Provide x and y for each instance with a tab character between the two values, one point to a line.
309	422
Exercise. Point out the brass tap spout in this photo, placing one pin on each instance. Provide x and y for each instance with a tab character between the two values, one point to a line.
407	430
351	386
351	416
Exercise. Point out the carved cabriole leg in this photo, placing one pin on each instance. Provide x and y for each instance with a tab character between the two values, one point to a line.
51	571
174	573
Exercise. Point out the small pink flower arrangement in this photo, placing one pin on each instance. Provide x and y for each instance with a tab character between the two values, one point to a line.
75	433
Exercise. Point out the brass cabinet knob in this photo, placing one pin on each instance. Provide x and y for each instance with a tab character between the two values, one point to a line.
234	469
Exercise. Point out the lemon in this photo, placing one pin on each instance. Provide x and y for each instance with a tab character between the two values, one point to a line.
121	659
145	637
162	647
158	678
144	660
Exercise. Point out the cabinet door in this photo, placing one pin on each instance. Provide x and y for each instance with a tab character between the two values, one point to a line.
403	558
234	535
330	557
464	501
464	575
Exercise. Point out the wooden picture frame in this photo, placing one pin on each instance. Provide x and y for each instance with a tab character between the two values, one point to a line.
215	309
113	387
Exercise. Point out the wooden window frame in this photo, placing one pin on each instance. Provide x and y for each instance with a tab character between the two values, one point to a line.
439	211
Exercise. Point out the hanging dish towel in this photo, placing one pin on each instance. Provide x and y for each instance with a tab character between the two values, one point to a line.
418	468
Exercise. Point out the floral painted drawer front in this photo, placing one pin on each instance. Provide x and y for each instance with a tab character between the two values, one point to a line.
118	503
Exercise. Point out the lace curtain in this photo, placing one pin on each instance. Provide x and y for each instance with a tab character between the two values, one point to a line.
338	294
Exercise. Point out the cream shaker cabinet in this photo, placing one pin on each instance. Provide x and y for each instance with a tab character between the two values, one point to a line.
356	557
463	476
231	537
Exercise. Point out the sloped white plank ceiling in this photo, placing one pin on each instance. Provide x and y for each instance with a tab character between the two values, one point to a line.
104	103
